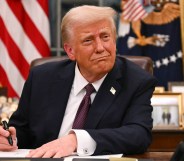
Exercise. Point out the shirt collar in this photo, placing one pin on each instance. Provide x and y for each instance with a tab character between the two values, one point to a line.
80	82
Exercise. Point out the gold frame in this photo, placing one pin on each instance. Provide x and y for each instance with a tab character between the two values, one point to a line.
166	102
159	89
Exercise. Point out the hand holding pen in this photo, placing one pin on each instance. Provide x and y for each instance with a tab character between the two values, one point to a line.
7	137
5	126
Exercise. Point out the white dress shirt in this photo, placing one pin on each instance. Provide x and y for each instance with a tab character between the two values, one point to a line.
85	143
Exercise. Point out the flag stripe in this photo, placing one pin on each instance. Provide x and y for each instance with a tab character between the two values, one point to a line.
5	82
14	76
137	11
140	12
33	9
44	7
133	10
15	29
37	40
24	36
13	51
128	3
129	7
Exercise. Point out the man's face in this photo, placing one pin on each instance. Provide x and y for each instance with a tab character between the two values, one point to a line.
93	46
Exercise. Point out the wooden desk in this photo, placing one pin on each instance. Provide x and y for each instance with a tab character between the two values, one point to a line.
166	140
156	156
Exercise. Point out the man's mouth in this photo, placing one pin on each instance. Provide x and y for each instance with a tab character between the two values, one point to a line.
100	58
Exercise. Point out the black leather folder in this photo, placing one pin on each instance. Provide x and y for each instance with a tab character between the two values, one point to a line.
95	159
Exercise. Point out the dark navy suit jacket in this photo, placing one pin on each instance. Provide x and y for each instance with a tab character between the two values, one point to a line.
119	122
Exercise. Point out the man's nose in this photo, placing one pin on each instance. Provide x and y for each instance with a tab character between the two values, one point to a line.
99	45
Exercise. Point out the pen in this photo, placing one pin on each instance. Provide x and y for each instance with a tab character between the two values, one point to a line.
5	126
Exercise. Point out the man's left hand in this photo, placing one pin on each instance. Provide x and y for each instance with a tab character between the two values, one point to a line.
58	148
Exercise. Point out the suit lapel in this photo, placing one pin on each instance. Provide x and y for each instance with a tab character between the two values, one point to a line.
59	94
107	93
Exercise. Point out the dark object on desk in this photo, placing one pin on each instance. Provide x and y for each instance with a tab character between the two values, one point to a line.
179	153
119	159
89	159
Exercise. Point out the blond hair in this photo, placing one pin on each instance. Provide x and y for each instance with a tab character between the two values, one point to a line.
83	15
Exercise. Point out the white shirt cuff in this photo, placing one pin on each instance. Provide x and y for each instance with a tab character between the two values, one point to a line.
86	145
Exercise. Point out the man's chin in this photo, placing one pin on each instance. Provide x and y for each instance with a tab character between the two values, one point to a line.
104	66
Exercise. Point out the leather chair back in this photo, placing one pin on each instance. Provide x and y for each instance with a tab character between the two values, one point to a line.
142	61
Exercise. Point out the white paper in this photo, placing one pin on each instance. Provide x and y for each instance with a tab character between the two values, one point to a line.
19	153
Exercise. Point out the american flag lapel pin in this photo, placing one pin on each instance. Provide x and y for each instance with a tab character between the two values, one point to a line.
112	90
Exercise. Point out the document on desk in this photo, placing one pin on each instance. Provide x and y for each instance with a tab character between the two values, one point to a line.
19	153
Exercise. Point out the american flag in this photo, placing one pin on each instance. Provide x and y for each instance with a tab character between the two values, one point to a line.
24	36
147	2
133	10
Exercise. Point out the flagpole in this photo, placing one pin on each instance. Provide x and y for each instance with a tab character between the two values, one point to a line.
182	28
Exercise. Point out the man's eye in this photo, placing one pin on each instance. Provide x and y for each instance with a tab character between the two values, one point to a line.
106	37
87	41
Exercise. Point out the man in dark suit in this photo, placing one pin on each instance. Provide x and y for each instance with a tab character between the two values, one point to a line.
119	119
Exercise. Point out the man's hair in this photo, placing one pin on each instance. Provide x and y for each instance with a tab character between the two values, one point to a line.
84	15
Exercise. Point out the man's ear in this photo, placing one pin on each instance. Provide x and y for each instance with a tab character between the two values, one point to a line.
69	51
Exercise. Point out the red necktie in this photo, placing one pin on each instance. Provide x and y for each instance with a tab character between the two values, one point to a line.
82	112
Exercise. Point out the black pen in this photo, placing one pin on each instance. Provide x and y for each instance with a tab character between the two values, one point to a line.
5	126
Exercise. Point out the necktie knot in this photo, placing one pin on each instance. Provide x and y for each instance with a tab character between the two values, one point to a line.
89	89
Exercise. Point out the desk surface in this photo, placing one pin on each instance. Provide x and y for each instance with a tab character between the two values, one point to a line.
156	156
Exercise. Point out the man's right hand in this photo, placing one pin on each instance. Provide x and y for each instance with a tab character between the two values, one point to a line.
4	144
